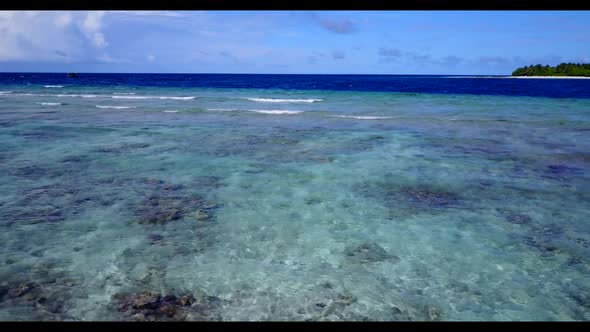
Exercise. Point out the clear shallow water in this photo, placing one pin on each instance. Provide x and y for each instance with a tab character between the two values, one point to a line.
270	204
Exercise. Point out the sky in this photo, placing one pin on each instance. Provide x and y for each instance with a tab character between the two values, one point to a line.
291	42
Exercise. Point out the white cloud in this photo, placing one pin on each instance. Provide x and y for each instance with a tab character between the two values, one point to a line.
32	36
91	28
124	37
93	20
31	13
98	39
52	36
161	13
63	20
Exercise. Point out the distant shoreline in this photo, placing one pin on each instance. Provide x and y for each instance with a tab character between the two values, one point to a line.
524	77
552	77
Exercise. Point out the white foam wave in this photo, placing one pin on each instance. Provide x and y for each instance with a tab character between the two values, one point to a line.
124	93
276	100
76	95
50	104
363	117
54	86
222	109
257	111
170	111
178	98
5	92
154	97
276	111
131	97
115	107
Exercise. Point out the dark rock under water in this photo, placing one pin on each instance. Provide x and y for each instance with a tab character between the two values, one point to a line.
369	252
418	198
153	306
519	219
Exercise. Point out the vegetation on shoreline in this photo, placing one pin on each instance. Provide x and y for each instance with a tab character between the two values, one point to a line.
563	69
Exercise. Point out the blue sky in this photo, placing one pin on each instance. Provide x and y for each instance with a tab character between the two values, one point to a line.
317	42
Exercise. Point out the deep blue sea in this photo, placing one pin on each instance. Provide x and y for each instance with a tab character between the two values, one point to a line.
294	197
461	84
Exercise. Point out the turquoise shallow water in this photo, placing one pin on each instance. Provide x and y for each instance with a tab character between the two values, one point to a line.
292	205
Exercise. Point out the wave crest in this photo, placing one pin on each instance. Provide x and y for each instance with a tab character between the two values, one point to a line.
76	95
154	97
363	117
276	112
277	100
115	107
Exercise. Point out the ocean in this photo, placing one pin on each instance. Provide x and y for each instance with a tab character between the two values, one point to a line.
294	197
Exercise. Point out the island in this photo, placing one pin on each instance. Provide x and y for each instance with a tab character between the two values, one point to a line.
563	69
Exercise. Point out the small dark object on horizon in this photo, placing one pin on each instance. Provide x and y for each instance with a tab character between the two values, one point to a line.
72	75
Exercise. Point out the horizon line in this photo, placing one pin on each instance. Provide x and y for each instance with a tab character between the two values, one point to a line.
188	73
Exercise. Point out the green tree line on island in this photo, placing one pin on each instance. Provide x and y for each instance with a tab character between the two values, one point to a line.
563	69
